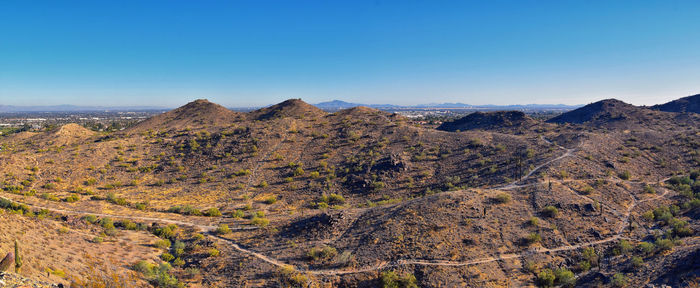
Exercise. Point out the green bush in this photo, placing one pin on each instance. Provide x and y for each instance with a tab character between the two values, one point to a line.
619	280
260	221
637	262
533	221
625	175
565	277
649	189
646	248
533	238
222	229
72	198
237	214
212	212
590	255
107	223
502	197
663	244
272	199
550	211
390	279
324	253
92	219
178	262
167	257
545	278
163	243
128	225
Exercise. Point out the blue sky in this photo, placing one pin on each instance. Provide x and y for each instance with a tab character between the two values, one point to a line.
241	53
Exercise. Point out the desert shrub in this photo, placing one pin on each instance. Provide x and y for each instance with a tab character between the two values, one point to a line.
178	262
107	223
314	174
222	229
533	238
624	175
260	221
128	225
212	212
324	253
533	221
185	209
272	199
564	277
649	189
550	211
263	184
584	265
141	206
619	280
298	172
623	247
213	252
72	198
390	279
646	248
167	257
502	197
162	243
90	219
590	255
166	232
145	268
637	262
242	172
237	214
586	190
663	244
545	278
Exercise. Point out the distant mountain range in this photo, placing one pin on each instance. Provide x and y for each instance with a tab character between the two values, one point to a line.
686	104
74	108
338	104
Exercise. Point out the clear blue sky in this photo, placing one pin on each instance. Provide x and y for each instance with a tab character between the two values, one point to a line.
257	52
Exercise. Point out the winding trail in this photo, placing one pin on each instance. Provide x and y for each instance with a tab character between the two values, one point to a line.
209	230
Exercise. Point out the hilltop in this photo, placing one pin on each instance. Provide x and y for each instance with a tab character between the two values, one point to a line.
685	104
196	114
295	108
490	121
615	114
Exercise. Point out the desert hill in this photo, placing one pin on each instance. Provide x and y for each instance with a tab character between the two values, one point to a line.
349	198
196	114
685	104
295	108
490	121
615	114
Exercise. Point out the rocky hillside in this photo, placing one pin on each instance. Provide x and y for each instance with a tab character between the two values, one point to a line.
615	114
685	104
500	120
289	195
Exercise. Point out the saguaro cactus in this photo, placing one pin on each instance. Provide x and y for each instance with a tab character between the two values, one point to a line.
18	258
